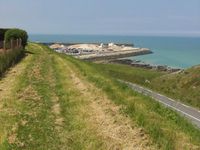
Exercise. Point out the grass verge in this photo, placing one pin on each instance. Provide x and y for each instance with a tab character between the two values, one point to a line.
166	127
183	86
43	108
41	112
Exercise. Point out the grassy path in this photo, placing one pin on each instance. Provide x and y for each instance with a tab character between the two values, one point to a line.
49	101
46	104
103	116
7	87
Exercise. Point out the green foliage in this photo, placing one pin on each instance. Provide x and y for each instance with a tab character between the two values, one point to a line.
183	86
35	107
164	126
16	34
9	58
128	73
2	33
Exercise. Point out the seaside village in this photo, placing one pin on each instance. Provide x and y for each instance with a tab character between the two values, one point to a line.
88	49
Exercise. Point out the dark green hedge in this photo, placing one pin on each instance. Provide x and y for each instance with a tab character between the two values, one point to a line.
16	34
2	33
9	58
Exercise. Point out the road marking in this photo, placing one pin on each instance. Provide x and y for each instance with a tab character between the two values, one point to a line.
171	99
184	105
144	91
179	110
148	90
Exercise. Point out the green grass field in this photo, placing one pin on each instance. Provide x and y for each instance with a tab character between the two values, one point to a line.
53	101
183	86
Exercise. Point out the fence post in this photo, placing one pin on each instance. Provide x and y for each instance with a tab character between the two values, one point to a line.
4	45
17	44
20	42
11	43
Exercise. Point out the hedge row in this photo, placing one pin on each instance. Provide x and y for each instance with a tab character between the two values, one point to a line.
8	58
16	34
2	33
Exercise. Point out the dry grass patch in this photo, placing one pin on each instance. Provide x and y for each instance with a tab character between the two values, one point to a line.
104	117
7	86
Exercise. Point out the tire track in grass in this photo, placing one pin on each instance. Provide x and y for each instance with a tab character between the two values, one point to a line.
32	126
75	133
103	116
8	84
38	132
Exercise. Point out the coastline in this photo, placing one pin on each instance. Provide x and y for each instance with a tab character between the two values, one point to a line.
103	53
187	47
140	64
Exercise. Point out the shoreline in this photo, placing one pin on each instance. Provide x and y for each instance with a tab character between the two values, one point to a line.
104	53
141	64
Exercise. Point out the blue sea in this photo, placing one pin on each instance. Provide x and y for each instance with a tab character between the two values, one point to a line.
181	52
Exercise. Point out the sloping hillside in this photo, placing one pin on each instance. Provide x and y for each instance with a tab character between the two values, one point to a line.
52	101
184	85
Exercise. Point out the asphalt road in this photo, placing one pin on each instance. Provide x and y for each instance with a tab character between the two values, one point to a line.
189	112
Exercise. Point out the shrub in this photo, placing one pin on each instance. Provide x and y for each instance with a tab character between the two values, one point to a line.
8	58
16	34
2	33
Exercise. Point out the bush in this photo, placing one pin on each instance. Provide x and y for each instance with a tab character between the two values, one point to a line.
9	58
16	34
2	33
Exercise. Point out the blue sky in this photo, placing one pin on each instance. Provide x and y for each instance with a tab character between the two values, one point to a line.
121	17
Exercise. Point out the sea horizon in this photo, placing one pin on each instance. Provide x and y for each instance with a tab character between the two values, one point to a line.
173	51
132	35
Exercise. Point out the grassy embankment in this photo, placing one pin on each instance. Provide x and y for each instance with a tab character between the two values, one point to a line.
8	58
52	101
163	125
183	86
41	111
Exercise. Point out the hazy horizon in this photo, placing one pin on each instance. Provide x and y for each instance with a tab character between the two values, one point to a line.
93	17
131	35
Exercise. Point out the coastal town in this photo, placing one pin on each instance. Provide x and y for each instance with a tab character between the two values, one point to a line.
99	51
109	53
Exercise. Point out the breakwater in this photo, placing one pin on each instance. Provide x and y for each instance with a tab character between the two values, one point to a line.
116	55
